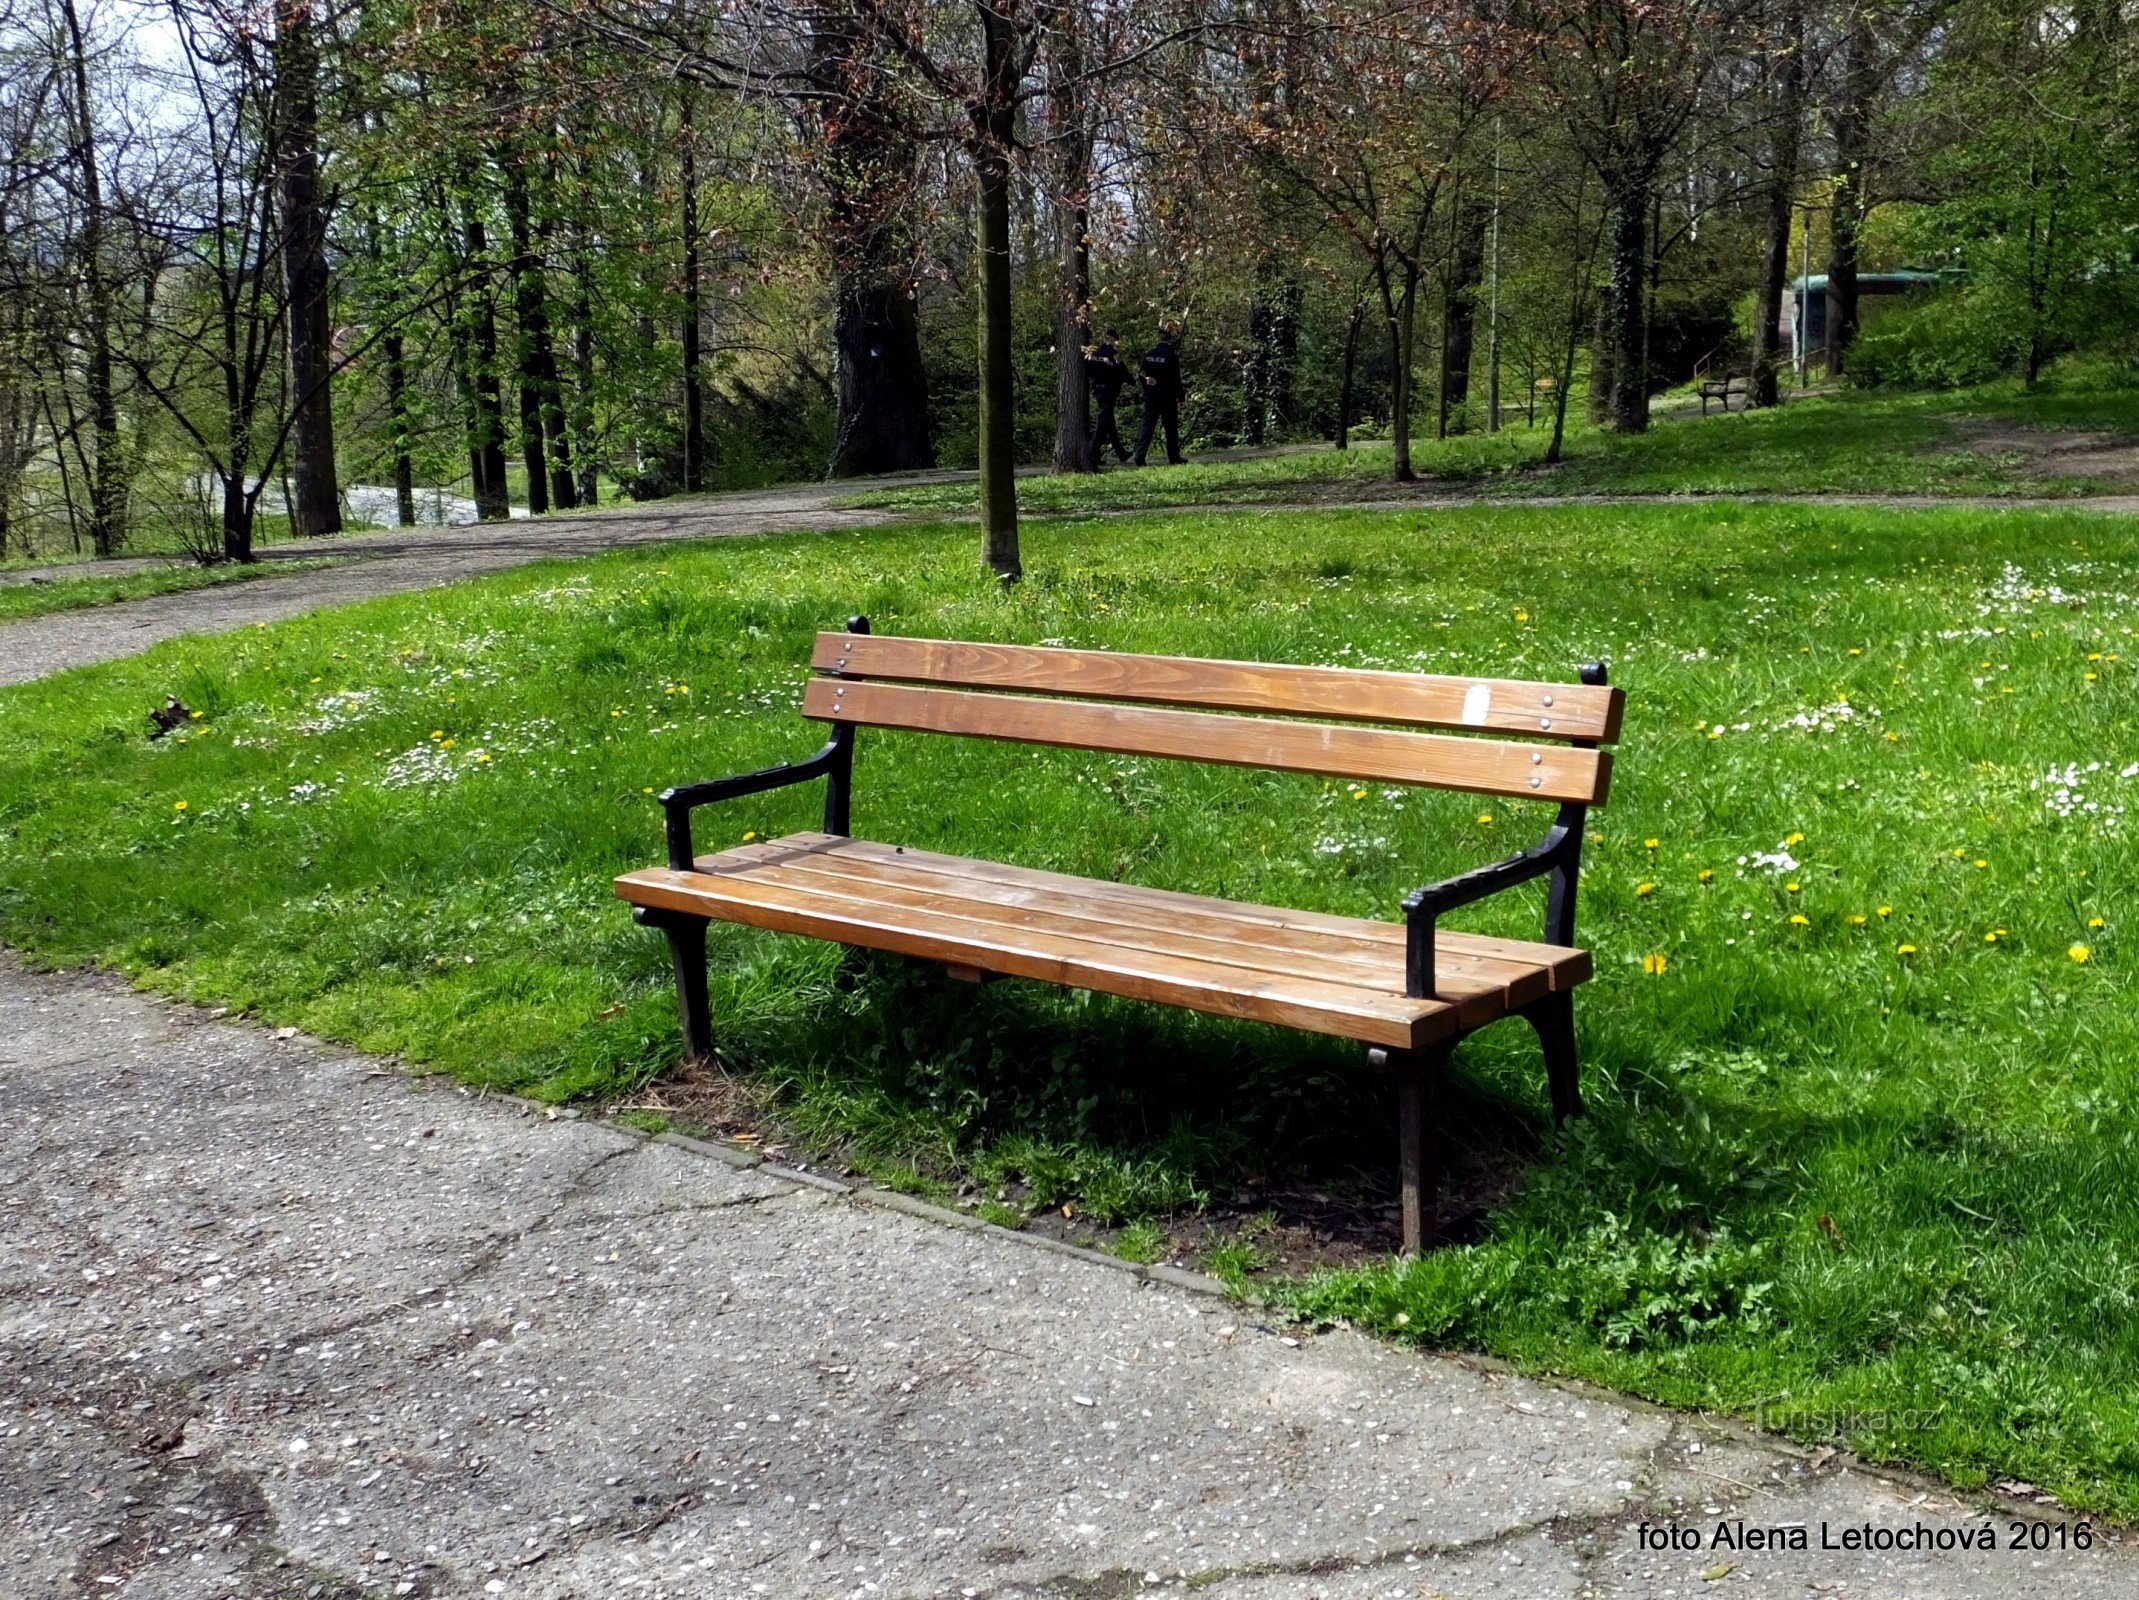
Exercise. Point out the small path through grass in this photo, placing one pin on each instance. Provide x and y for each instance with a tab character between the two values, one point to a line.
396	561
277	1311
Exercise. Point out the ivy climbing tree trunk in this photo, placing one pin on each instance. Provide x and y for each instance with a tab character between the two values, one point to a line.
1785	141
108	478
317	507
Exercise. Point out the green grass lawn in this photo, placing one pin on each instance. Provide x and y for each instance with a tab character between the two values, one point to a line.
1860	1157
1847	442
70	588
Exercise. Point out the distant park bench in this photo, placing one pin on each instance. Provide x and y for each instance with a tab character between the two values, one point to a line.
1738	385
1406	989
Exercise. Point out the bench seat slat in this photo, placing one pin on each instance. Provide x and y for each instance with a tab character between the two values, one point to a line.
1380	755
1479	981
1567	966
1335	975
1500	705
1296	1002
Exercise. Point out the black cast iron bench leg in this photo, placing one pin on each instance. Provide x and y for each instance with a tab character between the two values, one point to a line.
1554	1019
687	949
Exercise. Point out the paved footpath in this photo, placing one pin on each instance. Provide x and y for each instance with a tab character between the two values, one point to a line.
279	1321
404	559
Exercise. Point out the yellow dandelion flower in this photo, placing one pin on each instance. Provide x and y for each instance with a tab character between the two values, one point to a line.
1521	615
2079	953
1485	819
438	733
1790	888
1856	919
648	790
748	837
1799	919
1645	888
1855	651
2096	922
1654	964
195	715
1905	949
1981	862
178	805
1650	844
1794	838
2092	676
1893	738
1359	794
1707	875
1886	911
1960	855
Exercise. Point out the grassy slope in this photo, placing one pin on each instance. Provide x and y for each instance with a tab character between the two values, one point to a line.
1851	442
73	591
1885	1195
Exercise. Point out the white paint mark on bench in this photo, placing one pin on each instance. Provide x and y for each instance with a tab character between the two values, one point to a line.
1477	702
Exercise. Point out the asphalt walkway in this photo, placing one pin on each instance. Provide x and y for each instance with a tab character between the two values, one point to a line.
276	1321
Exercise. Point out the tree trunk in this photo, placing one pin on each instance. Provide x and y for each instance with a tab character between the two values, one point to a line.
694	394
1273	349
107	474
399	430
484	403
542	425
1459	307
1073	336
1785	138
583	380
1629	307
1852	138
1401	308
1600	359
994	117
866	165
1351	369
317	509
1073	254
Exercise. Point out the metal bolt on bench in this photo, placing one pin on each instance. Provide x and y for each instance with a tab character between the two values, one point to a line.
1410	991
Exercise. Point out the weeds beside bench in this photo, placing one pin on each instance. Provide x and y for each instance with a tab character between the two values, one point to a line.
1408	990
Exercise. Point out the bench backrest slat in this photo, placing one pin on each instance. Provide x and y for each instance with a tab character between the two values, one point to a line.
1383	755
1486	705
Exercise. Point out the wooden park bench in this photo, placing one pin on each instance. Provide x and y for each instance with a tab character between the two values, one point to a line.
1732	385
1408	990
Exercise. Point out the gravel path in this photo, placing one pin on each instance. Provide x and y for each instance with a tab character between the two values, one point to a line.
276	1321
395	562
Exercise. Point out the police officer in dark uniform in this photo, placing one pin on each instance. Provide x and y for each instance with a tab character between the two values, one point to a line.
1104	374
1161	374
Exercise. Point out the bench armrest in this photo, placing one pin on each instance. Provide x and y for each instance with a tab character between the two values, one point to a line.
1558	851
682	800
